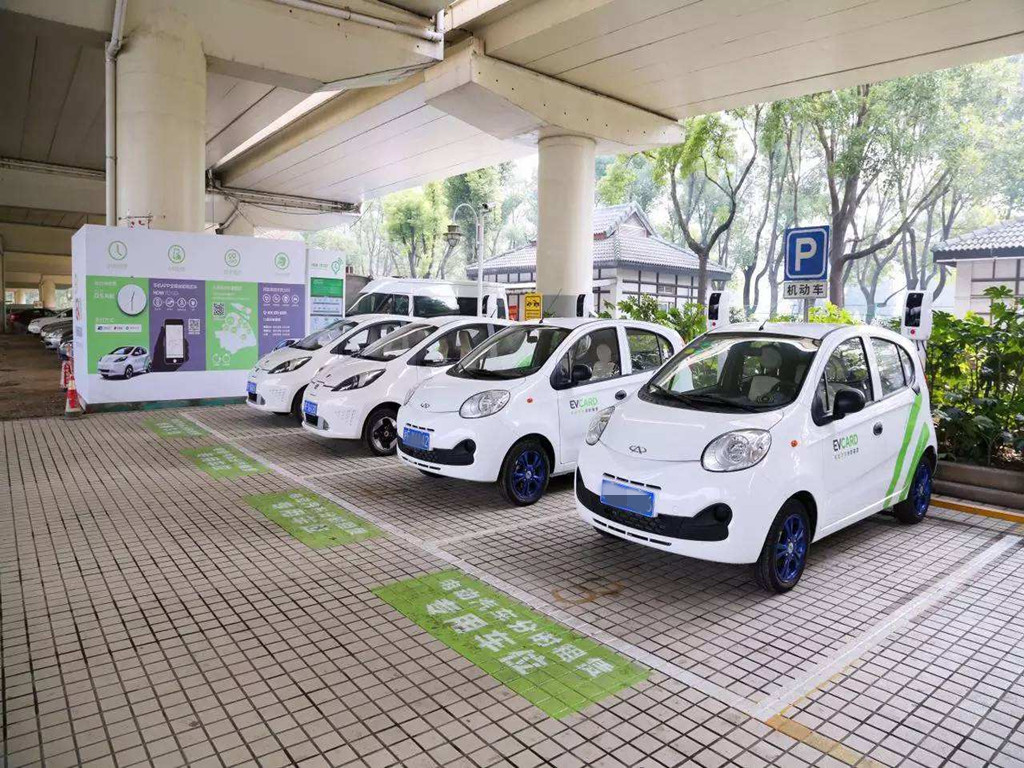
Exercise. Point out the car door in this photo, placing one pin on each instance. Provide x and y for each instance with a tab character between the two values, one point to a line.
601	351
850	449
897	415
646	350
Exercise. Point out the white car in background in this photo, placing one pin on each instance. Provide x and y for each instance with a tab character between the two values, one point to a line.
358	397
51	335
39	324
279	379
516	411
125	362
416	297
758	440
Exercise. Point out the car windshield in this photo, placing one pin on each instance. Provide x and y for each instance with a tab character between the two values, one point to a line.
380	304
397	343
515	352
122	351
325	335
734	372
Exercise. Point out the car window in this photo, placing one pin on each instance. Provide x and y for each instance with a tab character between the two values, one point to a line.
139	351
512	353
325	335
598	350
847	368
380	304
453	346
908	366
398	343
646	349
890	369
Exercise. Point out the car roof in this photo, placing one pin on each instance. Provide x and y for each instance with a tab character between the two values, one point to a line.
796	330
419	286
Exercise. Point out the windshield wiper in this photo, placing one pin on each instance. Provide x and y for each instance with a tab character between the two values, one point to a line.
705	398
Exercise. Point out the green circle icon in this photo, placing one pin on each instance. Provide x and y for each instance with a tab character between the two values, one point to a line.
117	250
176	254
281	261
232	258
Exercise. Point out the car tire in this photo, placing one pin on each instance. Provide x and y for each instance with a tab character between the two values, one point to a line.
296	411
149	366
128	372
525	473
382	424
784	554
912	509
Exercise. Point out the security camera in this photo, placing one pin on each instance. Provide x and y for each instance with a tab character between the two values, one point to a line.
487	207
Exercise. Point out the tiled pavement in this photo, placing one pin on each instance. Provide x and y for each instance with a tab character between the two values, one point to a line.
151	616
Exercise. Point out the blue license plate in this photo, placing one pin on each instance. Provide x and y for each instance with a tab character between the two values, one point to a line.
308	406
416	438
251	388
627	498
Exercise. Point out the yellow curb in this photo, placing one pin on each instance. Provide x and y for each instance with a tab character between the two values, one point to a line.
974	509
823	744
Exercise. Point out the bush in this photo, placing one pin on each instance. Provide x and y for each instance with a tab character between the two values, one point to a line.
974	374
689	322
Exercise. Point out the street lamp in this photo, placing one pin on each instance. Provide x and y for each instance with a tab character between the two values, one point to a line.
454	234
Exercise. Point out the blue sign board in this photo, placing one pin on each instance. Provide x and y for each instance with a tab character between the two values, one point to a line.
807	253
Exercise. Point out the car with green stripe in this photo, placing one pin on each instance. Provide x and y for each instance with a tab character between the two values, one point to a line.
759	439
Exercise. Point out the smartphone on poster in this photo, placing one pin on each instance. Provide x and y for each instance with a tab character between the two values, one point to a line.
174	342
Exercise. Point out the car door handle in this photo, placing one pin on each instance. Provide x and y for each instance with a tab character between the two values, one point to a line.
877	429
620	395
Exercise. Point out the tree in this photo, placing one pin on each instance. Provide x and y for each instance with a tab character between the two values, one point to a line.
416	220
706	176
630	178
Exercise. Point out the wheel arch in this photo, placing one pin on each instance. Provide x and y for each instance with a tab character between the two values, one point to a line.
377	407
931	457
549	449
807	499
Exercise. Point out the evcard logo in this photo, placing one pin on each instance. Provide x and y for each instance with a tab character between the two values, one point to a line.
845	446
584	404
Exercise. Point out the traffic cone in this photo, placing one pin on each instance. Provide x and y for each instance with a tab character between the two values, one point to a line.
64	371
72	406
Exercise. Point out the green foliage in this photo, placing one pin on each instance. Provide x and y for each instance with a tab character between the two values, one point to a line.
415	220
830	313
630	178
974	372
690	322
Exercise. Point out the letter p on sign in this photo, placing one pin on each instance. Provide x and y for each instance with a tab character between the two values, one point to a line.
807	253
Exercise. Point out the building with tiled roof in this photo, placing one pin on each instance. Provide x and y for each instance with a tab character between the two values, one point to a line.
983	258
629	259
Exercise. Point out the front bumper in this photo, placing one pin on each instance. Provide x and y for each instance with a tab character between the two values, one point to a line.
458	447
337	417
274	394
723	517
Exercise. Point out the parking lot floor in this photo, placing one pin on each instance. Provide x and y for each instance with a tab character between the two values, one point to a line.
213	586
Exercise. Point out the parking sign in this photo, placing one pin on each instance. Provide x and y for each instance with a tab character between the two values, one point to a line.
807	253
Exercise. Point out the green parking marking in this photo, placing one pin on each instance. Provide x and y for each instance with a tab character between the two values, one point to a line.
312	519
223	462
174	426
552	667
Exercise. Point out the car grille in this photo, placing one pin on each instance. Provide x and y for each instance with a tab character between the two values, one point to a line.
710	524
459	456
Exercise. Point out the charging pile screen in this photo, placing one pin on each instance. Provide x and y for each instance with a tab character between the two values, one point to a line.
175	341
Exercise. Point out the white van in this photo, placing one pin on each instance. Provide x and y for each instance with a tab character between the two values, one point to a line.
758	440
516	410
413	297
358	397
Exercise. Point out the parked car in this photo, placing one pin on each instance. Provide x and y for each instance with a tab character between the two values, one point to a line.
278	381
412	297
358	397
18	318
515	411
51	335
67	349
755	442
67	337
125	362
37	325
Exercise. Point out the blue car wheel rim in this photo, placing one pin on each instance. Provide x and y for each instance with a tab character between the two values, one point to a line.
791	549
921	490
528	475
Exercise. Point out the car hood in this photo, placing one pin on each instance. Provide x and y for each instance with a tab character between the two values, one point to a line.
272	359
446	394
665	433
338	370
111	358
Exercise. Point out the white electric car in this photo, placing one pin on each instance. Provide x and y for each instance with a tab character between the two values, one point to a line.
40	323
756	441
416	297
517	409
358	397
125	362
278	380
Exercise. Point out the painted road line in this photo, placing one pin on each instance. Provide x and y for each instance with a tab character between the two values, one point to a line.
634	652
895	621
977	509
499	529
822	743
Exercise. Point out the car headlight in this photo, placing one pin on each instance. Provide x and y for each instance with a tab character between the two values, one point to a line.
484	404
291	365
120	359
358	381
408	397
736	450
598	425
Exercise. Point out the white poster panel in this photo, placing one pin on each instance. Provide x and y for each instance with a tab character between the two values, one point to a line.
326	282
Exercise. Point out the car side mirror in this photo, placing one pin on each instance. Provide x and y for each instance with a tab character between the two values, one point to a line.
581	372
847	401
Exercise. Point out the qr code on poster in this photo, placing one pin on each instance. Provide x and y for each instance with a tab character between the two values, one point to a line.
194	327
218	309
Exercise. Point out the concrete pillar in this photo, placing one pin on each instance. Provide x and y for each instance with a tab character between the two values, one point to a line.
48	293
21	296
161	115
240	226
565	222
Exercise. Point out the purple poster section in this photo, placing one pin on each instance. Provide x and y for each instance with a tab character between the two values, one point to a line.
282	314
174	300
